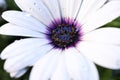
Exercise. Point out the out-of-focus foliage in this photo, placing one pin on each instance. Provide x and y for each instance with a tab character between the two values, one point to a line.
105	74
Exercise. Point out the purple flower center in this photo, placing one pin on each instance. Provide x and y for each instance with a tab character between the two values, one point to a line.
64	34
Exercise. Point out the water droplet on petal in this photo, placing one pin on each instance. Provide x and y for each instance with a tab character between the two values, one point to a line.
34	3
30	9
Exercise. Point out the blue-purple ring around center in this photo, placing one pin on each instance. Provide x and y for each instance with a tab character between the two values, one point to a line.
64	21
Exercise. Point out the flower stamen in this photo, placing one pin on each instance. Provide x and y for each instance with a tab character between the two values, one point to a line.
64	34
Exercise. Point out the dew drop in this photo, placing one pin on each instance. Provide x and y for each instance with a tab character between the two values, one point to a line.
30	9
34	3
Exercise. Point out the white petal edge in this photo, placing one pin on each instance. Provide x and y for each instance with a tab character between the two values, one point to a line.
60	72
102	16
88	7
18	74
29	58
18	47
109	35
37	9
53	7
44	68
102	54
70	8
14	30
79	67
24	20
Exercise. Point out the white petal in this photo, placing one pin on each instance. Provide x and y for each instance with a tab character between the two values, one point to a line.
45	67
37	9
104	15
14	30
19	46
105	55
88	7
70	8
24	20
79	67
60	72
28	58
18	74
104	35
53	7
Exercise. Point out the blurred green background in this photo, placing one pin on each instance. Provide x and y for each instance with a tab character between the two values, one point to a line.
105	74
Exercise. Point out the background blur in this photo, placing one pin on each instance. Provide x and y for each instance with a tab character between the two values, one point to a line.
105	74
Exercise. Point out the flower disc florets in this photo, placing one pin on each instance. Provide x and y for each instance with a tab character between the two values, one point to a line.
64	33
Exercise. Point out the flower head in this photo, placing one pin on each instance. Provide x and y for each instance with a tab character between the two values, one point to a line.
65	38
64	33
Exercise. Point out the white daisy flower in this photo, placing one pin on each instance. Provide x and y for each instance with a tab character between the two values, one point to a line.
64	39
